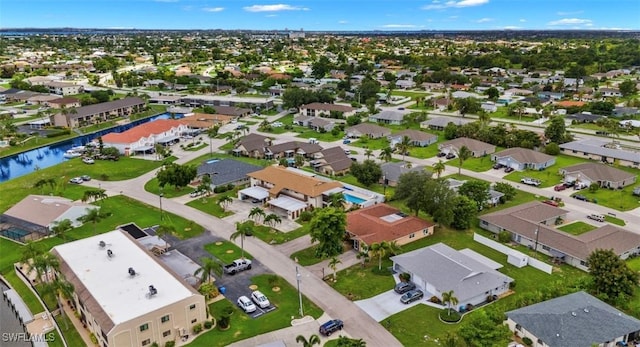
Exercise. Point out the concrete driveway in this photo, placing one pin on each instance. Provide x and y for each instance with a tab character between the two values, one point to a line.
384	305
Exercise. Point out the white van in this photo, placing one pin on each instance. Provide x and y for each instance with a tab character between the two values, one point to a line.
313	140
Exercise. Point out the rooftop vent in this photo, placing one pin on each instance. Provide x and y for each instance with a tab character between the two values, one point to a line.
102	244
152	291
586	310
573	314
132	272
109	253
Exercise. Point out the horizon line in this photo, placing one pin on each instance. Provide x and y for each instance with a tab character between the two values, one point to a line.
406	30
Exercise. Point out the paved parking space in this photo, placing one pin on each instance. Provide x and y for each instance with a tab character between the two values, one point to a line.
384	305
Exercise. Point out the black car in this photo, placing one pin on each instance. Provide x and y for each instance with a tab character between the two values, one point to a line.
441	154
329	327
450	156
411	296
404	287
498	166
509	169
580	197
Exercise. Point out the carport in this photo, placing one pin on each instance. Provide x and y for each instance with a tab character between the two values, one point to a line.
291	206
258	193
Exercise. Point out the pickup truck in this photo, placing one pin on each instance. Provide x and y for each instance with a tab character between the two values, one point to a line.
530	181
237	265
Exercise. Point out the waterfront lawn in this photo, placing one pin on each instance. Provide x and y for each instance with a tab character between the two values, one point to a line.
226	251
34	142
550	176
24	291
577	228
69	331
242	326
14	190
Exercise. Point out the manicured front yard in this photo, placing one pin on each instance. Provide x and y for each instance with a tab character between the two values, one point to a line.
226	251
168	192
275	237
550	176
577	228
358	282
306	256
242	326
621	200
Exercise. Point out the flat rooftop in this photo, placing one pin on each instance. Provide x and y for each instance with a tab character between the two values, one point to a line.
120	295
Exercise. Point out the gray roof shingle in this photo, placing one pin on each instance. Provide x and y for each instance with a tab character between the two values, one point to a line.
226	171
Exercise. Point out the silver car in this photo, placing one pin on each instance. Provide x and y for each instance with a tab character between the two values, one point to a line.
246	305
260	299
411	296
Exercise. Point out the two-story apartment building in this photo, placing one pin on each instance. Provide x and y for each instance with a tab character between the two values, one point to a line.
317	109
144	137
62	88
97	113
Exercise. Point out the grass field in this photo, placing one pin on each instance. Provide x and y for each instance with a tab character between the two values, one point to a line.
550	176
226	251
275	237
614	220
410	93
209	205
577	228
621	200
242	326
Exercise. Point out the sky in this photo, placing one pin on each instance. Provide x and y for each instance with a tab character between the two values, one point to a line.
310	15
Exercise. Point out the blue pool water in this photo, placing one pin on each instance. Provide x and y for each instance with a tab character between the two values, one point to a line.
14	233
353	199
26	162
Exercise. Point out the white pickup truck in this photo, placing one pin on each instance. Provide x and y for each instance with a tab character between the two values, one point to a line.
530	181
237	265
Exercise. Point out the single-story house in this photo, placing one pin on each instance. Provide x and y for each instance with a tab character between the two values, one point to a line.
418	138
317	109
290	149
477	148
584	117
144	137
230	105
252	145
387	117
439	268
574	320
381	222
391	172
38	214
610	92
369	130
489	106
533	225
66	102
603	151
439	123
321	124
226	171
493	197
605	176
442	104
523	158
331	161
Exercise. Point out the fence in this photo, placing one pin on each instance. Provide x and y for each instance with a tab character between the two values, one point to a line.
542	266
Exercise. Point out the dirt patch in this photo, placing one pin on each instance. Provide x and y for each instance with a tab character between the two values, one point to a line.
253	287
275	289
229	251
218	243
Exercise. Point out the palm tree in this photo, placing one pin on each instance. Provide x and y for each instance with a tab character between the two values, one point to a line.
51	182
205	185
333	265
272	219
463	154
165	230
29	251
379	249
95	194
61	227
439	168
368	153
404	145
484	118
386	154
59	287
224	201
337	200
256	213
242	230
449	299
208	268
313	340
94	216
44	263
364	255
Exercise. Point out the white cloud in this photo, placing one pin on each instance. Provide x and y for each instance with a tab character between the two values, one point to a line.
484	20
271	15
437	5
343	22
568	13
511	27
522	20
399	26
571	21
274	8
213	9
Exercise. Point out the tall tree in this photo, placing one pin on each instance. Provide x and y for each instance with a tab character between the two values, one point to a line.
404	145
333	265
61	227
176	175
439	168
556	131
224	201
411	187
479	330
476	190
381	249
467	106
243	230
463	154
464	212
93	216
505	188
59	287
368	153
368	172
611	277
256	213
450	300
328	229
272	219
208	268
386	154
337	200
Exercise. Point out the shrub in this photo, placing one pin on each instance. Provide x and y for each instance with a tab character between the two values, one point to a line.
170	344
504	236
552	149
197	328
594	187
305	216
208	290
405	277
155	344
450	315
512	285
527	341
223	322
208	324
434	299
93	338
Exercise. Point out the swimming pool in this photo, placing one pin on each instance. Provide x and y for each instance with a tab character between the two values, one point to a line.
14	233
353	199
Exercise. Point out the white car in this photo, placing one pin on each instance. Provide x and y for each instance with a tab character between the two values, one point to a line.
76	180
88	160
260	299
246	305
277	124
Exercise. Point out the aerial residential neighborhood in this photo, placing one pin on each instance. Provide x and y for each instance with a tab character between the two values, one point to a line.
331	184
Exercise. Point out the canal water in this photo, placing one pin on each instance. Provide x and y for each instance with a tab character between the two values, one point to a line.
26	162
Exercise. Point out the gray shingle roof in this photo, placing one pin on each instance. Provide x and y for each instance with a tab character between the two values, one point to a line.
393	171
447	269
574	320
524	155
388	115
109	106
226	171
595	146
599	172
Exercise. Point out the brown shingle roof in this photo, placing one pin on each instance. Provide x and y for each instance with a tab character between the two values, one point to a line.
281	178
254	142
307	148
366	224
472	144
64	101
524	155
327	107
415	135
599	172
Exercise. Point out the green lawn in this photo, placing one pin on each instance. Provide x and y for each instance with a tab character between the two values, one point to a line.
70	333
325	137
358	282
307	256
374	144
226	251
167	191
242	326
621	200
210	206
418	326
614	220
24	291
216	155
409	93
480	164
550	176
634	263
577	228
275	237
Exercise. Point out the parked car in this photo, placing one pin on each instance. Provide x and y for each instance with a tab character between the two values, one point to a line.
85	177
530	181
411	296
246	305
441	154
450	156
76	180
404	287
260	299
346	141
88	160
509	169
329	327
498	166
401	108
237	265
596	217
551	202
277	124
196	193
580	197
600	132
560	187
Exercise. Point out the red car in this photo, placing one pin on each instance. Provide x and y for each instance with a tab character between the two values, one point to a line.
559	187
